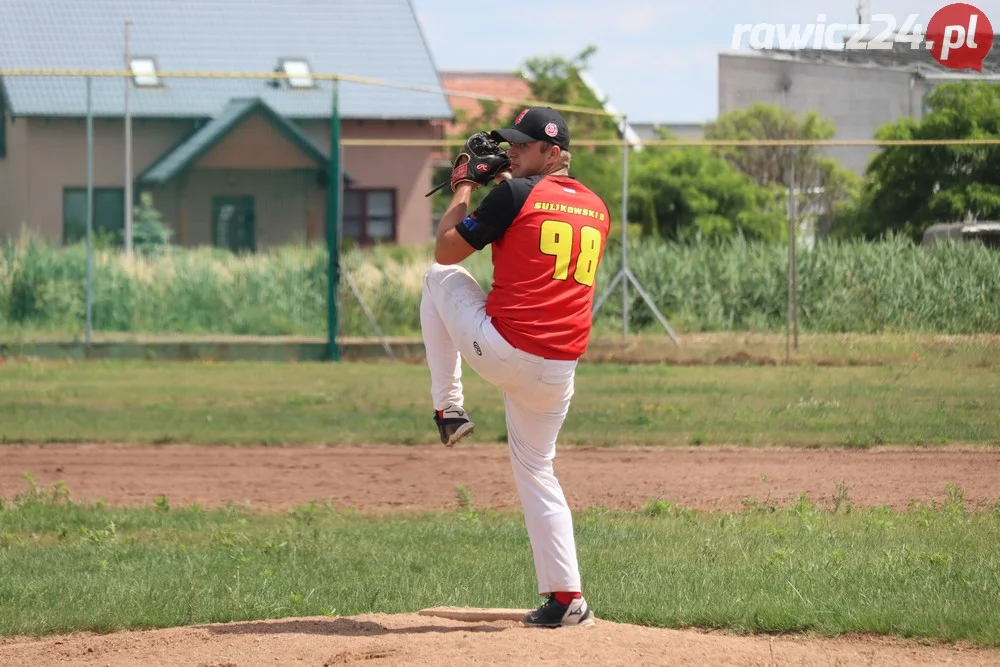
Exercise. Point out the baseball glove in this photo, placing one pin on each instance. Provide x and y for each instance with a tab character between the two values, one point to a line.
478	162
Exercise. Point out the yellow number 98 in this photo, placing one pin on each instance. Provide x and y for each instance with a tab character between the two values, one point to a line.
557	240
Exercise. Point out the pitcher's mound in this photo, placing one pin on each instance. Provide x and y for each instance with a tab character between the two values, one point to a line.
421	639
472	614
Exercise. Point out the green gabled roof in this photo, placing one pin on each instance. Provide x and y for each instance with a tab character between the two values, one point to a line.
185	154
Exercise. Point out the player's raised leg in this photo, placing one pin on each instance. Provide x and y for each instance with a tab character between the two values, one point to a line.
442	355
454	325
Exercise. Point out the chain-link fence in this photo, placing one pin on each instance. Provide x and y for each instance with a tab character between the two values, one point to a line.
229	181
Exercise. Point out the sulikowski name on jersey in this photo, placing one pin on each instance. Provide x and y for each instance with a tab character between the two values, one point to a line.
823	35
563	208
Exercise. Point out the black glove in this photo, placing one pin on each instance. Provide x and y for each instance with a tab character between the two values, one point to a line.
479	161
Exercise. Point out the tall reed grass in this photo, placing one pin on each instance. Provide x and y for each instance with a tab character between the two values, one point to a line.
890	285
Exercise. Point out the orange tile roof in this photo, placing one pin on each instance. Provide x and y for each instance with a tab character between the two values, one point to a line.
495	84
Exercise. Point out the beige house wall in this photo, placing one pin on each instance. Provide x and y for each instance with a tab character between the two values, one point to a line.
284	202
53	156
44	156
255	141
14	191
408	169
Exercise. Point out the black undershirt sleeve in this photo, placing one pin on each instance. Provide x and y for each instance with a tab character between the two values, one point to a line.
495	213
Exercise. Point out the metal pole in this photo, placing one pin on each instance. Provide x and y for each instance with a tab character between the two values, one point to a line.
791	263
624	229
625	275
795	288
90	212
128	146
333	200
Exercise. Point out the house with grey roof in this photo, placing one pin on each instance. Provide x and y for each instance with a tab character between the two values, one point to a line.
233	161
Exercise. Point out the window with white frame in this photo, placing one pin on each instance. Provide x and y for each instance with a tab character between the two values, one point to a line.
298	72
370	216
144	72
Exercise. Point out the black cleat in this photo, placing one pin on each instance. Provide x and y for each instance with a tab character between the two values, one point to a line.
453	424
554	615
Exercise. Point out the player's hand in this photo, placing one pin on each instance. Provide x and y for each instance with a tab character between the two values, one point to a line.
460	173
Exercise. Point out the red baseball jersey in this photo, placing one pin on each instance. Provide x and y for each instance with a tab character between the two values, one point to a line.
548	235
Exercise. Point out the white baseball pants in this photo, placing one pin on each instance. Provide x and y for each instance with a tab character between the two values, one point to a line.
536	393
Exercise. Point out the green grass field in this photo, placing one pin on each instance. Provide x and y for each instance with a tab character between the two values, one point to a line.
928	572
931	400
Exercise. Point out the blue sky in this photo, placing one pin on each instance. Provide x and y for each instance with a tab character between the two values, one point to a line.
656	61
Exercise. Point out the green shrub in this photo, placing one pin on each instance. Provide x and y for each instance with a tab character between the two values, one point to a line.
856	286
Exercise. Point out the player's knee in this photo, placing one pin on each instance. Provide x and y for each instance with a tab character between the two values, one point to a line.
439	272
432	274
434	270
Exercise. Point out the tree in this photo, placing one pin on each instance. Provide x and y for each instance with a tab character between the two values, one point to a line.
150	232
679	193
556	80
824	183
909	188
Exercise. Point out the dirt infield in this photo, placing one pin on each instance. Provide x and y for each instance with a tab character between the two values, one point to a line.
409	639
380	478
386	478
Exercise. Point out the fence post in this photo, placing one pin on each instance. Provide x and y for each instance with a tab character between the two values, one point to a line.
333	227
624	227
90	213
792	307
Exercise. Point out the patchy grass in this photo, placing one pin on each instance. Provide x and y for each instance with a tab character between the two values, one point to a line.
925	400
926	572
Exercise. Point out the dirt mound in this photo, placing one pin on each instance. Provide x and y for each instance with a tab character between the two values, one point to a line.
410	639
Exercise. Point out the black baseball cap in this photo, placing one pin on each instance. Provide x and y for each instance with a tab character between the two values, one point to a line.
536	124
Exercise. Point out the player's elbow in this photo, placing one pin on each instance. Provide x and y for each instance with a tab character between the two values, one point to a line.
441	257
447	256
452	249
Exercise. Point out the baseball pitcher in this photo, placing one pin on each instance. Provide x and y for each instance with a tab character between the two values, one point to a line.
548	233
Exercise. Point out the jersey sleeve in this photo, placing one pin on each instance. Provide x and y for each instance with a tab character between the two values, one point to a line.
490	219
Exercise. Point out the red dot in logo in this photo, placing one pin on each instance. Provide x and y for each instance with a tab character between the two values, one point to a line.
961	36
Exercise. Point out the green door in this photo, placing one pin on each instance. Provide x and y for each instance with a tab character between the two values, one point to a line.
233	224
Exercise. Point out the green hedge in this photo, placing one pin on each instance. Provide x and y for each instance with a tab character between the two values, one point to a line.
890	285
